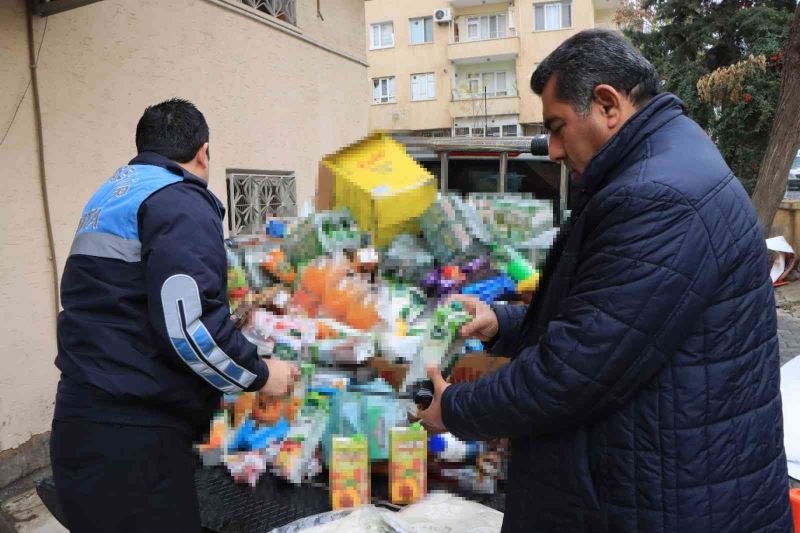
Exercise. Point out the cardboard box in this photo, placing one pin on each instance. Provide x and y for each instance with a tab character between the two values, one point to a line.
325	184
381	185
469	368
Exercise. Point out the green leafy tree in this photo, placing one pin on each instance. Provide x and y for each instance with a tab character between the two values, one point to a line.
735	49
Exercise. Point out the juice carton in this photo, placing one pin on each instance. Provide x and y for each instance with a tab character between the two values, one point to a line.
349	472
408	464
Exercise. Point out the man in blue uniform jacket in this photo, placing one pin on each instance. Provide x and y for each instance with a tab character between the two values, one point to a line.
146	346
643	394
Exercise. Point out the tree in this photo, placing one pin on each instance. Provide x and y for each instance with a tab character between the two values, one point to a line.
784	139
689	41
474	105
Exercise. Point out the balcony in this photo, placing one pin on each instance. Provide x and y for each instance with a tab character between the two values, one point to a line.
607	5
473	3
605	12
474	37
502	49
464	106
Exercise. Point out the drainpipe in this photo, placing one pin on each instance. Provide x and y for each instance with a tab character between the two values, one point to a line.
37	112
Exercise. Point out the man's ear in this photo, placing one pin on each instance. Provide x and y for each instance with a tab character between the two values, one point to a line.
201	157
611	105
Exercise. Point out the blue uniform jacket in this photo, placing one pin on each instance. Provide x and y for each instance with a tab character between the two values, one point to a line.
145	336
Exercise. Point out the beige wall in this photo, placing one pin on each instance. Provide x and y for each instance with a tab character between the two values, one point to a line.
402	60
536	45
28	377
273	102
405	59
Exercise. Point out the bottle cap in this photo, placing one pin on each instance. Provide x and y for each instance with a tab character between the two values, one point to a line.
436	444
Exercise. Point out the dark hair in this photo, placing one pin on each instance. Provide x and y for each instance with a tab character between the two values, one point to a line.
175	129
595	57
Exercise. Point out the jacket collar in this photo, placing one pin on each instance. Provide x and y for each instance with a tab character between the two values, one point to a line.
155	159
614	155
158	160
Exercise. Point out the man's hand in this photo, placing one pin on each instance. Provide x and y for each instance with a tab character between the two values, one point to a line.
484	325
282	376
432	416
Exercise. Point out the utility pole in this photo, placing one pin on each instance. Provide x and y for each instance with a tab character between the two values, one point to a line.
485	114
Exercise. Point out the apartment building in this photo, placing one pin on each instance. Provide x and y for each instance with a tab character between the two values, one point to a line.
463	67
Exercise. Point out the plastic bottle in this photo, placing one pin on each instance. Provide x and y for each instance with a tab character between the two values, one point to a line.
452	450
312	278
363	315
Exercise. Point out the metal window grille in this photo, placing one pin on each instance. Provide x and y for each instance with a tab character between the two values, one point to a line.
255	195
280	9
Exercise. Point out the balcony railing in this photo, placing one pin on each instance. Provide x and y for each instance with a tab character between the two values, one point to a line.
483	31
280	9
459	96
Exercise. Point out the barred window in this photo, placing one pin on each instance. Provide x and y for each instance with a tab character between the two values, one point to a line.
280	9
254	195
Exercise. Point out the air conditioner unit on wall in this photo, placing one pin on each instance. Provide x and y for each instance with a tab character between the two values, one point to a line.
443	15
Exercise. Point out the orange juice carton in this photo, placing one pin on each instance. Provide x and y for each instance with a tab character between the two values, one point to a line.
349	472
408	463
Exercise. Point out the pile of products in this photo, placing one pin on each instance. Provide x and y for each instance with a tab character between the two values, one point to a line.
362	317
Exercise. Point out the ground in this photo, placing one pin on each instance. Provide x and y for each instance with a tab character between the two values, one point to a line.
26	512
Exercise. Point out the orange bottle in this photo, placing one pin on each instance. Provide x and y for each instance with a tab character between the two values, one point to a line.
335	270
303	300
363	314
312	278
335	300
794	500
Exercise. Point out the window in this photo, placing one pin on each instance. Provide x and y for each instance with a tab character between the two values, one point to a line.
510	131
552	16
423	87
254	195
493	131
460	132
383	90
382	35
486	27
280	9
477	132
438	132
493	82
421	30
474	83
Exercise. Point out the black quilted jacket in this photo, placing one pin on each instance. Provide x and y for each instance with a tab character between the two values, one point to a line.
644	392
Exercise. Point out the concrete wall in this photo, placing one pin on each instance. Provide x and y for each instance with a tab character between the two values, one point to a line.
273	102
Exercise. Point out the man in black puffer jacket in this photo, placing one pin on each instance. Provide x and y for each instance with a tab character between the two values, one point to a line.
644	390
